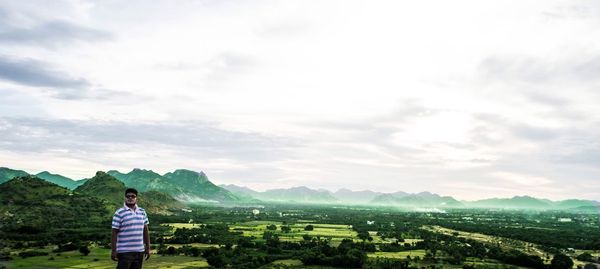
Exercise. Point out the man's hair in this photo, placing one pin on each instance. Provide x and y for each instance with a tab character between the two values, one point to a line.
131	190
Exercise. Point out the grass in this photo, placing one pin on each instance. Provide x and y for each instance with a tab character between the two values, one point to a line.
289	262
182	225
490	263
100	258
398	255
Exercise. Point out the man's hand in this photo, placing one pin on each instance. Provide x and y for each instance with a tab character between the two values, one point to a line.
113	255
147	253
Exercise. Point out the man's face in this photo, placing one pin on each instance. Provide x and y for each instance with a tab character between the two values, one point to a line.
130	198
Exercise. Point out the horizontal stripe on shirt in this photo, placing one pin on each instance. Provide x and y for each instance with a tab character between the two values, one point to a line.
128	236
125	241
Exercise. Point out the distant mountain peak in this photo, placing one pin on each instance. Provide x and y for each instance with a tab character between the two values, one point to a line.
187	171
104	186
59	180
523	197
342	190
139	171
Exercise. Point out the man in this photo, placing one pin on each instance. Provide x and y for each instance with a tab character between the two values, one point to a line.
130	238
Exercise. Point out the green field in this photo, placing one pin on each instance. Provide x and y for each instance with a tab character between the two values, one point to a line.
336	232
398	255
198	245
182	225
287	262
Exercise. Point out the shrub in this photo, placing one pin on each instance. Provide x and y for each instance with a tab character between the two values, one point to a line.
32	253
84	250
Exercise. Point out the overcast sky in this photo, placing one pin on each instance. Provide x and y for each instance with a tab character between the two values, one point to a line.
473	99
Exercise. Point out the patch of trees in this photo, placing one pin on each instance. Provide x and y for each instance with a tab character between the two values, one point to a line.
184	250
586	257
32	253
561	261
347	255
240	257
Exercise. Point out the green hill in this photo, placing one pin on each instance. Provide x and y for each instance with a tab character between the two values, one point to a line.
33	209
30	190
7	174
106	187
59	180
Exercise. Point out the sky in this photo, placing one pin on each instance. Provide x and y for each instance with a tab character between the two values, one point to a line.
472	99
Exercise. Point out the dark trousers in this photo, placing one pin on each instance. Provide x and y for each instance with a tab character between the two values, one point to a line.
130	260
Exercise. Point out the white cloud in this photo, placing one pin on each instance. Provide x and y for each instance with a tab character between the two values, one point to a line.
521	179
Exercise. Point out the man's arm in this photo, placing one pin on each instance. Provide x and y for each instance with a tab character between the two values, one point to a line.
113	244
146	242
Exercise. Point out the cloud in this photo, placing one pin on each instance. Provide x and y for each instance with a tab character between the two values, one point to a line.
38	74
15	103
59	84
575	10
576	69
537	134
51	34
282	29
588	156
91	137
29	25
224	66
521	179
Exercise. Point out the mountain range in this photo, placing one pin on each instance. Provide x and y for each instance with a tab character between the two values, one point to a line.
186	186
406	200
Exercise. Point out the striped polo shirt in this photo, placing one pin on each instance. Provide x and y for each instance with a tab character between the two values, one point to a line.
130	223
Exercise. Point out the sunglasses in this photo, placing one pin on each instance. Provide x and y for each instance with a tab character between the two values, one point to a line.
130	196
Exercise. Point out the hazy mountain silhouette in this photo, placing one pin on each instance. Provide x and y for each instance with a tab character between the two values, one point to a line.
293	195
355	197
